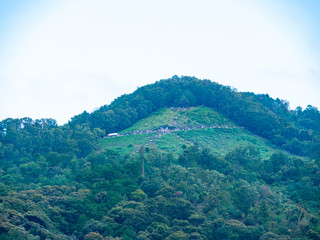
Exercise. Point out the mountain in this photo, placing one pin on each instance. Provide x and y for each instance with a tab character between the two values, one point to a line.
179	159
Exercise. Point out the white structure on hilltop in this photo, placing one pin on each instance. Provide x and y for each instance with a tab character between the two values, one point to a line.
113	135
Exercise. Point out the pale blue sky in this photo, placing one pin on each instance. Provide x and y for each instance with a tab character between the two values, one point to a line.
61	57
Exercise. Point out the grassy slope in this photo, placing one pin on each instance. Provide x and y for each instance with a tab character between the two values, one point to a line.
157	119
219	140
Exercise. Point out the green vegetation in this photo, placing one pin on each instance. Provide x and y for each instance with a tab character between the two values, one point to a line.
171	143
207	116
221	140
153	122
225	165
126	144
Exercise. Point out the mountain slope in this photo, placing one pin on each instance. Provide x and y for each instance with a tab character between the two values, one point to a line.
193	160
171	129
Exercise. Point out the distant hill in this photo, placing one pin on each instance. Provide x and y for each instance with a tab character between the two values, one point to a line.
295	130
191	159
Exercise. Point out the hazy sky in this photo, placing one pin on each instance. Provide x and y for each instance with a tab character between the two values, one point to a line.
61	57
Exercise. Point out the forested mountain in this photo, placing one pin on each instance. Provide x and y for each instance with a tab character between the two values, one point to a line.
192	159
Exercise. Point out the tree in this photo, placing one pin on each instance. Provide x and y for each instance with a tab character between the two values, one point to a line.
190	156
178	235
138	195
30	170
141	154
93	236
247	157
244	195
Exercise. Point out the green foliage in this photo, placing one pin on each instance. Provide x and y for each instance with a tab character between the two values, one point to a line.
138	195
215	173
206	116
244	195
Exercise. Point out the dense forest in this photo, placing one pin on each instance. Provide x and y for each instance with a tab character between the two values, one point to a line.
56	182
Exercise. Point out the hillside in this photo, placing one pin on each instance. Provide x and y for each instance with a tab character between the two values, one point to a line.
192	160
171	129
